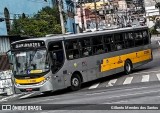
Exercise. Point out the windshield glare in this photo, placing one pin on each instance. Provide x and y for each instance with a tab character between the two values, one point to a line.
29	62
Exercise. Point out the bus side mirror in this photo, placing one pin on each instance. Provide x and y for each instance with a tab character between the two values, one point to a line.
9	55
11	65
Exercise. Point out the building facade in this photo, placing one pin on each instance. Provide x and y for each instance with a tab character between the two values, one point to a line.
151	11
69	11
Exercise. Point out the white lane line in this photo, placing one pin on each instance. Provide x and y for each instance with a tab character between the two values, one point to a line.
111	82
132	94
10	97
27	95
146	72
128	80
94	86
159	43
145	78
116	102
116	91
158	76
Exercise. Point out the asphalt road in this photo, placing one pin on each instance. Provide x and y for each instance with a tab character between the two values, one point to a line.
140	87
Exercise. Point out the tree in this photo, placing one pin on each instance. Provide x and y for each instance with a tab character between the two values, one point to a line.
46	21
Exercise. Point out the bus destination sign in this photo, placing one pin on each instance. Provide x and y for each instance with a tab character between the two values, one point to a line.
28	45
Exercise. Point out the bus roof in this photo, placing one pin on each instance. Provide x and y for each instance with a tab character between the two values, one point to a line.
80	35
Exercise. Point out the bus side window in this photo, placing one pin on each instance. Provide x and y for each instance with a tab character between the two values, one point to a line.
85	47
57	55
145	37
108	43
138	38
72	49
97	44
129	40
119	41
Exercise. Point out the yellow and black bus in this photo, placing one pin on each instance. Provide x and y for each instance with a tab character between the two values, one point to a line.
57	62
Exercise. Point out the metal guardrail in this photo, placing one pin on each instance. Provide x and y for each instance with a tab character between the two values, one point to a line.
6	84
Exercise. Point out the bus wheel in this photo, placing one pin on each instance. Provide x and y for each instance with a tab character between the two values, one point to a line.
75	82
128	67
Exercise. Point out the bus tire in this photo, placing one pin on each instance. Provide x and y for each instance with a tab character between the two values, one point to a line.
75	82
128	67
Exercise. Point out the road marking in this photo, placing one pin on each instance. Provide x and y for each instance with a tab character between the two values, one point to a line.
158	76
145	72
9	97
94	86
116	102
111	82
128	80
145	78
132	94
116	91
25	96
158	42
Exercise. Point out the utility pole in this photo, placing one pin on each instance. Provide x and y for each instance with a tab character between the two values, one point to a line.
54	2
61	16
82	19
95	9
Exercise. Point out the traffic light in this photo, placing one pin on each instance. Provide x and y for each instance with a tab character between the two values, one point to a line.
1	19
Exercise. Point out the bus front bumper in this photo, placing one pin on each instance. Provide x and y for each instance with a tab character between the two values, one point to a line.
42	87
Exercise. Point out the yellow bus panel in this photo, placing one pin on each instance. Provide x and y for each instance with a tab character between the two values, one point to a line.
118	61
29	81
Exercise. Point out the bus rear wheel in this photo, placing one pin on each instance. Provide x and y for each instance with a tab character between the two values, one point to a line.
75	82
128	67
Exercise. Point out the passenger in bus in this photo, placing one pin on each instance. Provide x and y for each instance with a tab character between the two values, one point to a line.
119	47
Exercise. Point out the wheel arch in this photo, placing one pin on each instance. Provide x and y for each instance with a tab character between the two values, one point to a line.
129	61
80	75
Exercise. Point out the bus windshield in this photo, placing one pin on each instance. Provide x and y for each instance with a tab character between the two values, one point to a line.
30	62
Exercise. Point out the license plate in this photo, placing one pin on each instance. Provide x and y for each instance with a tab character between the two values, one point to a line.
29	89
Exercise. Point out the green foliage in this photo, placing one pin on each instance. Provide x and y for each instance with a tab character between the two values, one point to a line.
44	22
153	31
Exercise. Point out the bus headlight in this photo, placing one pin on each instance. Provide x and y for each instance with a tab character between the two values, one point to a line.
46	79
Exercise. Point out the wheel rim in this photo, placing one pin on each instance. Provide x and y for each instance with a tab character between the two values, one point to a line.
75	82
128	67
